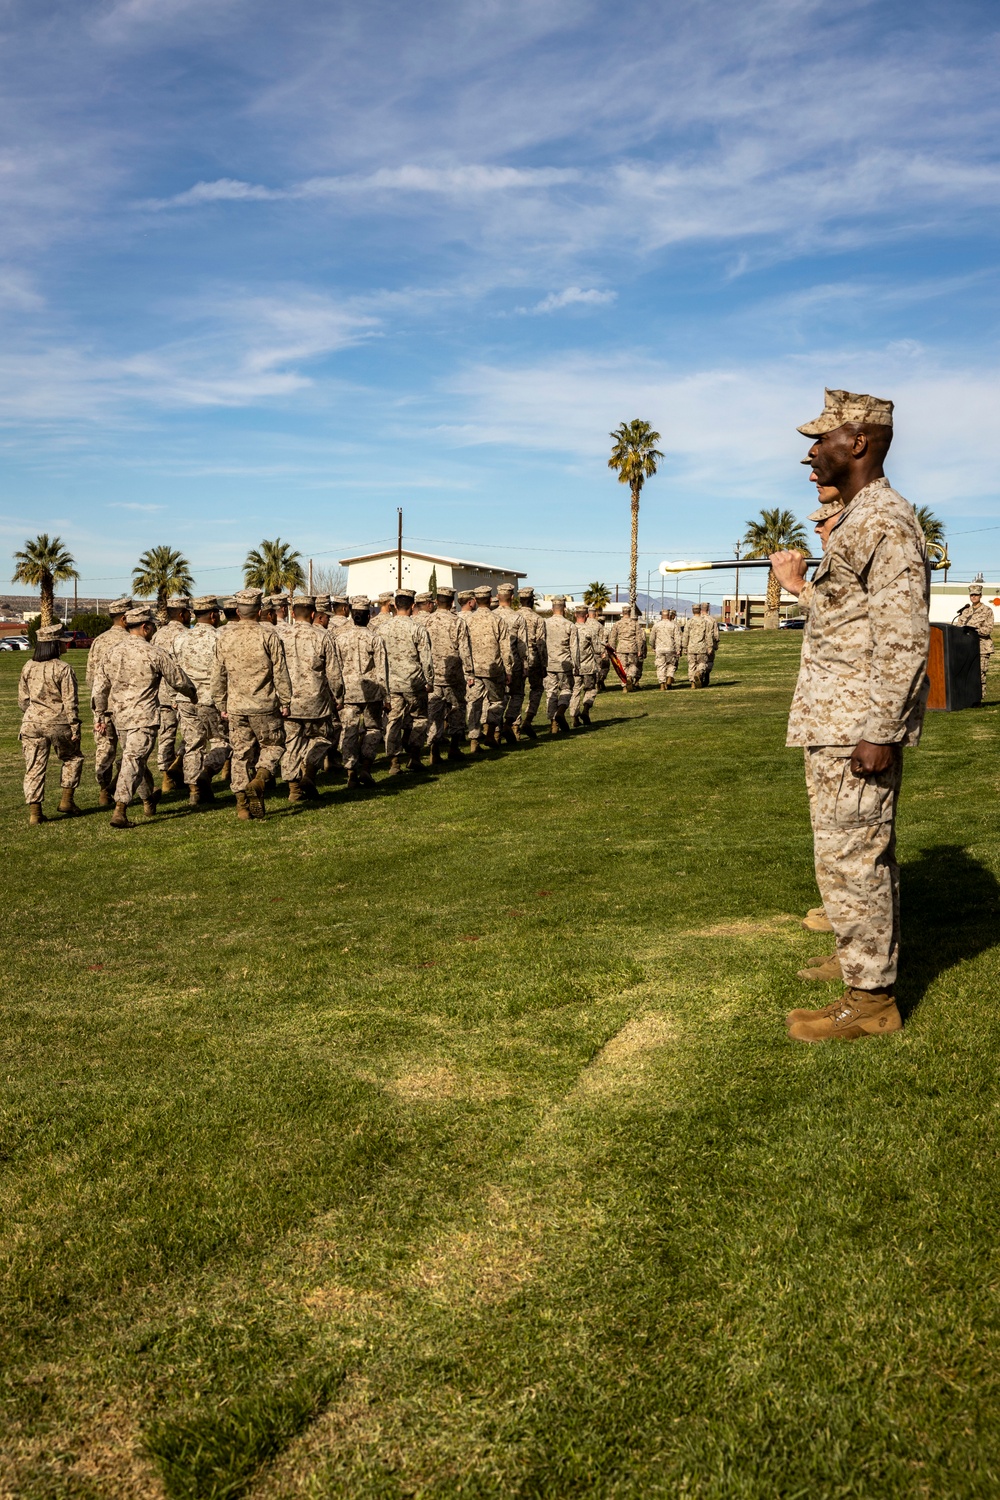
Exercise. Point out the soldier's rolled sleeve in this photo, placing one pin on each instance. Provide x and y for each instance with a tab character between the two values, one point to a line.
900	637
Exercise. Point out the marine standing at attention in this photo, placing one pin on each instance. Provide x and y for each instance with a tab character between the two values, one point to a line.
859	699
452	666
47	698
206	743
106	744
252	691
317	684
365	666
411	679
168	759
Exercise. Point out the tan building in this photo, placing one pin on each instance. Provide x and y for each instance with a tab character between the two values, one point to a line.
376	572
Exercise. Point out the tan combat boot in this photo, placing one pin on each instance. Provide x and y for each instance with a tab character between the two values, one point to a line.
395	765
436	758
858	1013
816	920
242	811
255	795
510	734
168	784
104	797
822	969
295	791
456	752
149	804
365	767
194	794
226	774
515	730
413	761
474	744
66	803
35	814
119	818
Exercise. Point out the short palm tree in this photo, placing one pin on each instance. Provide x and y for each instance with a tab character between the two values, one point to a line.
273	567
635	456
776	531
596	593
43	563
932	528
162	572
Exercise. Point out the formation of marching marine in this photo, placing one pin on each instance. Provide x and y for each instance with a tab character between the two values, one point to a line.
252	687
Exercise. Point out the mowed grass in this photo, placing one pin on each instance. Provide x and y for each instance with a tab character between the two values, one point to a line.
447	1141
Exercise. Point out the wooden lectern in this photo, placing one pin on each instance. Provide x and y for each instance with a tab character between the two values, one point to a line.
953	669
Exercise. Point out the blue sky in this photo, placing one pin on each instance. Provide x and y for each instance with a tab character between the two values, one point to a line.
280	269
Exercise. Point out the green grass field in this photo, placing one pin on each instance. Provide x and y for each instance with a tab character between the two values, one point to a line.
447	1141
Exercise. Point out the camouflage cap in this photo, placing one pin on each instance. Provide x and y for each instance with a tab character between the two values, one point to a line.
322	602
827	509
339	599
424	597
403	593
847	406
558	599
205	604
179	601
360	601
144	615
387	597
49	633
445	593
229	602
581	608
484	591
119	606
305	601
248	598
464	595
505	588
524	592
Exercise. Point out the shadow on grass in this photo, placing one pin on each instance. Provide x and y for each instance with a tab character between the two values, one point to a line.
950	904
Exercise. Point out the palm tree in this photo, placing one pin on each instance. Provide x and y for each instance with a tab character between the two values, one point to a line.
596	593
273	567
162	572
932	528
43	563
776	531
634	455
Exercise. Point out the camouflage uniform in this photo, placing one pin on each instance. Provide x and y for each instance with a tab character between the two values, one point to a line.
518	632
628	641
411	678
250	686
127	686
166	744
492	663
206	740
559	636
665	643
47	698
979	617
863	676
702	633
452	667
365	669
585	661
317	682
537	661
106	744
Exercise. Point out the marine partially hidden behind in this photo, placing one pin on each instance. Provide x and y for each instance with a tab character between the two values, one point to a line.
47	698
860	697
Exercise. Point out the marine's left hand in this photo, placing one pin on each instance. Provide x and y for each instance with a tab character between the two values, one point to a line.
868	759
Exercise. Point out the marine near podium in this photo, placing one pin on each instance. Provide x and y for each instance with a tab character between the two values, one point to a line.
978	617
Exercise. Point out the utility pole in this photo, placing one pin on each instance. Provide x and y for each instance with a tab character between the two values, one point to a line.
399	547
737	550
616	593
310	576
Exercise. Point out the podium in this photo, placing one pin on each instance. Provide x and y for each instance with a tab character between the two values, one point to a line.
953	669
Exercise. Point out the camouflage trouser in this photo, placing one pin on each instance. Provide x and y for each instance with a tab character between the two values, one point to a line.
584	693
666	666
483	704
407	721
256	743
985	652
536	687
514	696
699	666
36	749
166	750
558	691
206	746
307	744
603	668
632	665
445	713
137	747
361	733
854	843
105	748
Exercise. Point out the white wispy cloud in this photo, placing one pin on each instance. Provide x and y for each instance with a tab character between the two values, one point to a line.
147	510
573	296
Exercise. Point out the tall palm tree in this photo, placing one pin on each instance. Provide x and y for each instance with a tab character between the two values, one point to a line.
162	572
932	528
273	567
43	563
596	593
776	531
635	456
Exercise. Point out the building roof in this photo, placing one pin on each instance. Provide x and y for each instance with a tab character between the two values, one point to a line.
453	562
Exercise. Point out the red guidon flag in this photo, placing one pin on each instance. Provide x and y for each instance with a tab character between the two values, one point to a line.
616	663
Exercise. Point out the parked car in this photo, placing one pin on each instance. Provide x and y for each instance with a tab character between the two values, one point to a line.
15	643
76	640
791	624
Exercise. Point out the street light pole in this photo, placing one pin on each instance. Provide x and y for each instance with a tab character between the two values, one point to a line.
737	550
